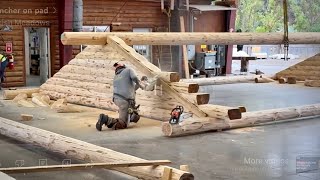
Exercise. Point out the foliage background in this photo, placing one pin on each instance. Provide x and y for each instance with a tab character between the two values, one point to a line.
267	16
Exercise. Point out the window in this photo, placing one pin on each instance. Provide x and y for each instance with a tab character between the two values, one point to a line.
144	50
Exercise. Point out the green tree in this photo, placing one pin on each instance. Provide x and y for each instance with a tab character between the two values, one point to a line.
267	15
247	15
271	19
306	15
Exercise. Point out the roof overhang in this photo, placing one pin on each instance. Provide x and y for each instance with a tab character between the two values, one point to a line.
211	8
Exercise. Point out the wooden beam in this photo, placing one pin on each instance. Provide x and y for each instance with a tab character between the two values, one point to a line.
34	169
151	70
76	149
194	38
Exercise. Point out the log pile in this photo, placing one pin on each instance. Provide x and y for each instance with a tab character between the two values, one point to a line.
307	69
88	80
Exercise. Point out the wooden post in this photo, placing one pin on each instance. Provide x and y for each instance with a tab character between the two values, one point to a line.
184	51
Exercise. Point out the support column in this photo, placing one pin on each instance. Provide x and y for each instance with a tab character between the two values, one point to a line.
77	15
65	25
231	24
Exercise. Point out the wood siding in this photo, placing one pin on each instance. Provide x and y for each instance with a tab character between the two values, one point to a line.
130	14
18	20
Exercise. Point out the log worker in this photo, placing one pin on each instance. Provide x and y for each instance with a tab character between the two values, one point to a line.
125	84
5	61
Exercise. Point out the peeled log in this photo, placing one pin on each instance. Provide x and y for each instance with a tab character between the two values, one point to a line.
263	80
169	76
194	38
26	103
84	78
58	103
220	80
194	125
39	101
312	83
87	101
67	108
197	98
11	94
76	149
185	87
252	118
20	97
221	112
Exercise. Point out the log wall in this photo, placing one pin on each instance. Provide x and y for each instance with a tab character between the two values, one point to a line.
308	69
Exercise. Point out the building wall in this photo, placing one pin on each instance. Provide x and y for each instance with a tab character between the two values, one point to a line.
19	14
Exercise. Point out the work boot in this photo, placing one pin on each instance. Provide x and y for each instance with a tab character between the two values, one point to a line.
101	121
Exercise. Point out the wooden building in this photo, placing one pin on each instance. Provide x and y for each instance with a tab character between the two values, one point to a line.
34	28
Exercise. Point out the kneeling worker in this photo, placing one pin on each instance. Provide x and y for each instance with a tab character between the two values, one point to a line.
125	84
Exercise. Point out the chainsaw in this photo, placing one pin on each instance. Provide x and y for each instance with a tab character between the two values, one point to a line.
175	115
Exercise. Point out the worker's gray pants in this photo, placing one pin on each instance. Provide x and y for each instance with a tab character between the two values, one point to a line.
123	111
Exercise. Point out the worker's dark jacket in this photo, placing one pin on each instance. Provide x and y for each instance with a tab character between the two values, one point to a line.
125	83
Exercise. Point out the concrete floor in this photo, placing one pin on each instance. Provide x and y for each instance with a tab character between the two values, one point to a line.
271	149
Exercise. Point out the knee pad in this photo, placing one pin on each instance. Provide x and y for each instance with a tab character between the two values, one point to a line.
119	125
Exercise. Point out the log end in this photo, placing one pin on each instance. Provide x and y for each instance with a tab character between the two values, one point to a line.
203	98
234	114
242	109
167	129
193	88
174	77
282	80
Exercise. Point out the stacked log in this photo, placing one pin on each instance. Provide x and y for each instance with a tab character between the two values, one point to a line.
88	80
307	69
